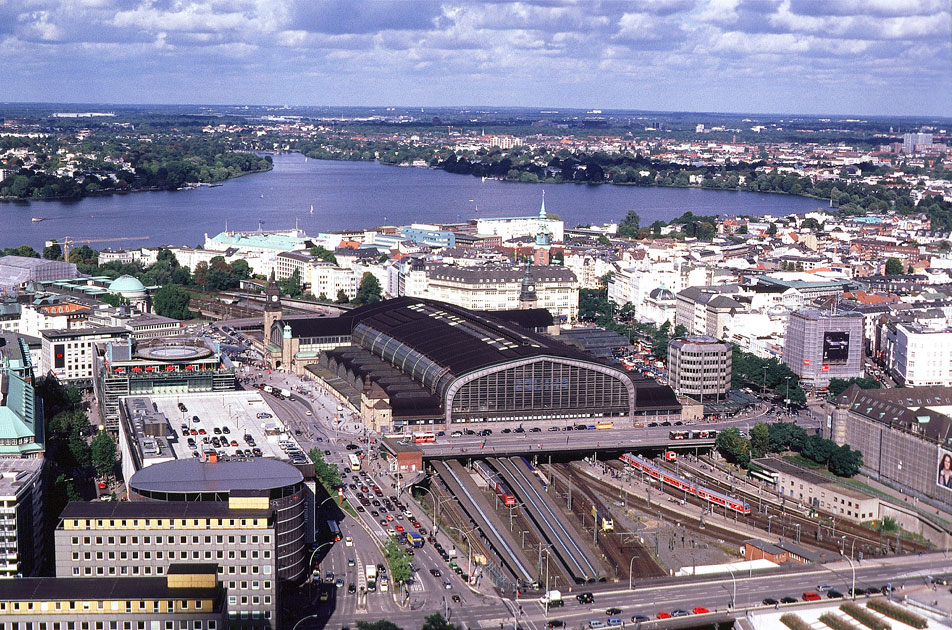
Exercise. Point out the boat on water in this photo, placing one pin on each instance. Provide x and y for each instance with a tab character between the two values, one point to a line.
312	208
36	219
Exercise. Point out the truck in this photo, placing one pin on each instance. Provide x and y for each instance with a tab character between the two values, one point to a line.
414	539
268	389
384	584
286	393
551	598
371	572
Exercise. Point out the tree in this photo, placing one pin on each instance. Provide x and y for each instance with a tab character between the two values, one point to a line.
80	452
772	229
760	439
630	225
53	252
818	449
845	462
603	240
398	561
103	453
893	267
369	291
324	254
171	301
733	446
437	622
291	286
342	297
329	475
785	436
839	385
383	624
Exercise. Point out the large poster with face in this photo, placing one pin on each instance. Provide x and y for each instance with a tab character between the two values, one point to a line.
836	347
944	475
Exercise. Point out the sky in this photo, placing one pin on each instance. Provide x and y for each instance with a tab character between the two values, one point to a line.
862	57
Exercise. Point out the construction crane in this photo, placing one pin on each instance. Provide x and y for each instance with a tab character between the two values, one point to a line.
68	241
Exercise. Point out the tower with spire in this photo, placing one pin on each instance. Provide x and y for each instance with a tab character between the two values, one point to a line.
272	306
540	252
527	293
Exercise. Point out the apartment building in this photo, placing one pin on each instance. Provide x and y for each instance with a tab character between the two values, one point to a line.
143	539
22	517
189	596
918	355
69	354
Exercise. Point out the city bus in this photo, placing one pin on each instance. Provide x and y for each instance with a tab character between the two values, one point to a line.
423	436
334	530
354	462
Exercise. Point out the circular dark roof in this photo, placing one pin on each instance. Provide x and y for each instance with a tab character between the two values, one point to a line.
192	475
174	352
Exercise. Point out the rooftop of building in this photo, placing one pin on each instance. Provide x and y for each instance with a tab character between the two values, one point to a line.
150	509
817	314
193	476
485	274
157	421
15	472
809	477
108	588
699	340
912	409
261	240
77	333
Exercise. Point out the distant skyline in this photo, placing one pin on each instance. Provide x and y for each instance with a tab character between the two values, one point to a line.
861	57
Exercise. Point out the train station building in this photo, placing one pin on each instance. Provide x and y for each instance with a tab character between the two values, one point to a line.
417	363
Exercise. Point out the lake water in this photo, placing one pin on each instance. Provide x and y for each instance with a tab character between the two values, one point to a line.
354	195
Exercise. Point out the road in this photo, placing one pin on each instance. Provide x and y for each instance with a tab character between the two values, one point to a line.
314	419
650	598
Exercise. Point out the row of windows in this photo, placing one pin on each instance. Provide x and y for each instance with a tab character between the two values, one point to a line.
182	555
183	624
170	523
136	570
169	540
100	606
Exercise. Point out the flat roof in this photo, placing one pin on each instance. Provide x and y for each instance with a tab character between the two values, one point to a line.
808	476
193	475
237	410
149	509
101	588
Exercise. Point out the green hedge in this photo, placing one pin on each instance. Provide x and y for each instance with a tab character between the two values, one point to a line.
865	617
898	613
794	622
837	623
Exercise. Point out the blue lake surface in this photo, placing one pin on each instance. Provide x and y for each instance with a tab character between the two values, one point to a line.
355	195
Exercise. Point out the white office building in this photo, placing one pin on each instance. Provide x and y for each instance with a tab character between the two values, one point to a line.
919	356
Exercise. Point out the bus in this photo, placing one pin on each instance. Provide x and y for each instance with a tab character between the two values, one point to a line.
679	435
354	462
604	425
334	530
423	436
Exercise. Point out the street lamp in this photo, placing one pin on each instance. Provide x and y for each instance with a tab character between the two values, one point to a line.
853	570
734	581
310	563
630	564
469	547
294	627
764	393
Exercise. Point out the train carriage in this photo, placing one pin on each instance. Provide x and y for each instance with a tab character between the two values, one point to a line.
686	485
495	482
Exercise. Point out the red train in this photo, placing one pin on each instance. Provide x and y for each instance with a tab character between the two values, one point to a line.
683	484
494	481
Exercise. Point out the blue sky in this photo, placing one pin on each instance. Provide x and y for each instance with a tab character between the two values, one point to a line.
865	57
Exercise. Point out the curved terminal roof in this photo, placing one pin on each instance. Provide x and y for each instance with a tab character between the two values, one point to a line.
127	285
193	475
457	339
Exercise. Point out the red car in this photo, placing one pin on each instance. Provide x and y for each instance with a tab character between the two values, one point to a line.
234	442
417	524
201	431
399	528
811	596
664	615
700	610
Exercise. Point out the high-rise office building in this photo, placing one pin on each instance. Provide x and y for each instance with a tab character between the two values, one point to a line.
821	345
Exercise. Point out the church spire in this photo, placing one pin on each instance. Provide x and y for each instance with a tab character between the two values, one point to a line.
542	214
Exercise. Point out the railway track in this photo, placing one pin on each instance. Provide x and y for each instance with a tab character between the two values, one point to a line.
565	540
619	552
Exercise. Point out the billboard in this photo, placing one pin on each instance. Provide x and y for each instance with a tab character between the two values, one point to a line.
944	467
836	347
